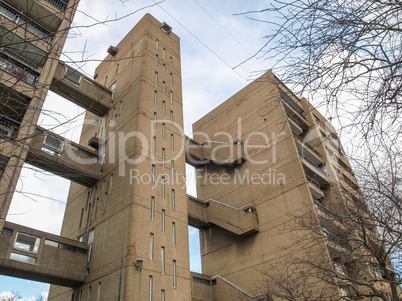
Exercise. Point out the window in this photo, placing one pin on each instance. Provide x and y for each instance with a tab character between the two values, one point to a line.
164	69
155	97
156	60
152	208
174	274
163	186
162	295
164	53
163	156
163	221
338	172
54	142
163	131
163	108
153	174
113	88
155	117
173	234
157	44
153	145
171	142
316	118
156	77
171	117
171	62
72	77
171	97
172	169
163	260
27	243
151	246
164	87
89	293
150	285
330	153
171	78
173	200
99	291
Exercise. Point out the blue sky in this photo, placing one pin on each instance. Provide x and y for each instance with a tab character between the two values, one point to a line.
213	40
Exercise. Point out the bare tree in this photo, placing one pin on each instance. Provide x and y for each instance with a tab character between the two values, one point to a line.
346	53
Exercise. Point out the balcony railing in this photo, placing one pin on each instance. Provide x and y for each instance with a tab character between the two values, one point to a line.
30	25
8	127
319	169
292	118
312	181
285	97
59	4
18	69
340	269
305	143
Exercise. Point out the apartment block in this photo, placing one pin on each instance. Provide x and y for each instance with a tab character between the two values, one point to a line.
264	159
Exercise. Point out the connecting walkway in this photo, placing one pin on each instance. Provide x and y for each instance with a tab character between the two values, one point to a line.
240	221
35	255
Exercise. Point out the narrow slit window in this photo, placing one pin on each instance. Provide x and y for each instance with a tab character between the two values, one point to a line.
164	69
153	145
173	234
151	246
150	287
171	117
163	108
153	175
163	221
155	117
156	77
156	60
171	62
155	97
171	142
162	295
163	260
172	169
163	186
163	156
171	78
163	130
173	200
157	44
152	208
171	97
174	274
164	53
163	87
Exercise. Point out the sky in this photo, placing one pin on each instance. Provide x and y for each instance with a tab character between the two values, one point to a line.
214	39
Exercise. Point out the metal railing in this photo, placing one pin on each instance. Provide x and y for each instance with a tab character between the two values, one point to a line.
18	69
59	4
292	118
285	97
312	163
8	127
24	21
305	143
314	182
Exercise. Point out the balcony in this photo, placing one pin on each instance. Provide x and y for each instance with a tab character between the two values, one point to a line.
8	127
81	90
293	110
25	22
307	150
220	153
240	221
35	255
64	158
61	5
294	124
315	188
18	69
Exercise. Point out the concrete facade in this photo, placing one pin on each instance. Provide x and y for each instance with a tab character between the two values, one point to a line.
264	158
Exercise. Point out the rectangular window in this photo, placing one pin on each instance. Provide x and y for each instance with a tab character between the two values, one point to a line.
163	260
171	78
172	169
173	200
171	142
155	117
164	53
155	97
163	131
27	243
174	274
171	117
164	87
99	291
156	77
54	142
153	174
156	60
173	234
163	186
171	97
152	208
164	69
89	293
163	107
153	145
151	246
171	62
157	44
162	295
163	221
150	287
163	156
